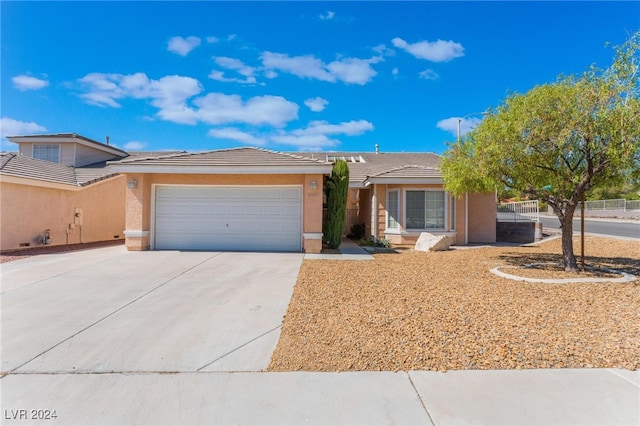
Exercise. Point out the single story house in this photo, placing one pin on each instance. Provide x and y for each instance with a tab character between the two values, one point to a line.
65	189
257	199
57	189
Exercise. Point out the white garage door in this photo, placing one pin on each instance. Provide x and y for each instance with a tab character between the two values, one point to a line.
228	218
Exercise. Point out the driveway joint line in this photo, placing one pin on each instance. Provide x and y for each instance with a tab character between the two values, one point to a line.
424	406
239	347
614	372
112	313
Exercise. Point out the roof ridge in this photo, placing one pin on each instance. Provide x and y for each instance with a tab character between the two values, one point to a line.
10	156
133	159
406	166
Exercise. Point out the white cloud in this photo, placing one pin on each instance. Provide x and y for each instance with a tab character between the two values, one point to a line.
429	74
169	94
347	70
212	39
231	37
327	16
315	136
351	128
11	127
395	71
451	125
182	46
237	135
306	142
316	104
383	50
175	98
270	74
235	65
134	146
218	108
302	66
26	82
353	70
436	51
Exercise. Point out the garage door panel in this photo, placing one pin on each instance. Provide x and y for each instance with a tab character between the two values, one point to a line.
235	218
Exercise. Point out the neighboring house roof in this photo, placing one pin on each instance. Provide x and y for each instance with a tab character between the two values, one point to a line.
68	138
12	164
150	154
387	167
245	160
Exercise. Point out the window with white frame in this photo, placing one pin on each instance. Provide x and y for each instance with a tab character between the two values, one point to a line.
393	209
425	209
47	152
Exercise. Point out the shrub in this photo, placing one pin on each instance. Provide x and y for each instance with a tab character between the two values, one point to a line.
357	231
336	189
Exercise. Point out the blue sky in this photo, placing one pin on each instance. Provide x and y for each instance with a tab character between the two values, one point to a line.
287	76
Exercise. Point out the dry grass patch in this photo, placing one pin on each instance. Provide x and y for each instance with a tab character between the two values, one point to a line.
446	311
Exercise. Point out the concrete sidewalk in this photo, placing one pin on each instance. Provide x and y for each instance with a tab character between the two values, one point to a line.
527	397
348	251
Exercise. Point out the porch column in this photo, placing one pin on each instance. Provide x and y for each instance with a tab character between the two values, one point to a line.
312	214
138	214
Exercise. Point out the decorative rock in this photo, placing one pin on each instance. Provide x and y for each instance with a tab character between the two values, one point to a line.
430	242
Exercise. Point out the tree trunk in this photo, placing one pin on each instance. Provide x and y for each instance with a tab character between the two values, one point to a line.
569	259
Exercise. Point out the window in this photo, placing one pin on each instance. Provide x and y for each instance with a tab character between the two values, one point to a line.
425	209
48	152
393	209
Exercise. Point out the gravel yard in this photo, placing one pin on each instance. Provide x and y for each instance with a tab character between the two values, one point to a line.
446	311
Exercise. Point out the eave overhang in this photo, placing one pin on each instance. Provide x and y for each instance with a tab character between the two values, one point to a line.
221	170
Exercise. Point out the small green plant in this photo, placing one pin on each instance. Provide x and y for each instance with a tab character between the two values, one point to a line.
383	242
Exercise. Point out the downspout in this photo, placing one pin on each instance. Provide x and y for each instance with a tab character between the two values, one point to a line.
466	218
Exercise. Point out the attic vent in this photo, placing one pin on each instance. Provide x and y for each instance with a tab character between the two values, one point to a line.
347	158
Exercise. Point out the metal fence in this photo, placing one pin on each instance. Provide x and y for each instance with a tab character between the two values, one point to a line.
617	204
521	211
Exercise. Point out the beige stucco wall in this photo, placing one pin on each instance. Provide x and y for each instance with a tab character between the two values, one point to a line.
138	218
26	211
460	220
482	217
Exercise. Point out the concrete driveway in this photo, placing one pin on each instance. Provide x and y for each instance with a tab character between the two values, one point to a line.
109	310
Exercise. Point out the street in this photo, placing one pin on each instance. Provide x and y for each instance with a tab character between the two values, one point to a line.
597	226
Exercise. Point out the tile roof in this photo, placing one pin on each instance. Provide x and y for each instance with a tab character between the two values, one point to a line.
410	172
402	164
232	157
12	164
